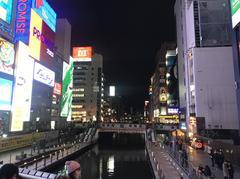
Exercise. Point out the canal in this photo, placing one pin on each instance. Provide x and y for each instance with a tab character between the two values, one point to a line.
116	156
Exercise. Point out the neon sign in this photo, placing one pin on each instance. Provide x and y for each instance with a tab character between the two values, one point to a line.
42	38
45	11
22	22
44	75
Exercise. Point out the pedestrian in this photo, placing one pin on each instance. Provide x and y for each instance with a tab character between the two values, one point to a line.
225	170
73	169
200	171
212	156
221	157
9	171
230	170
207	171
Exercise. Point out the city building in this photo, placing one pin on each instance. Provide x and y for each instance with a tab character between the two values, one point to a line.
235	16
7	57
62	54
87	88
205	67
164	96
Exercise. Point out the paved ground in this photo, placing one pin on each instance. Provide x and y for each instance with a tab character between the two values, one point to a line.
162	159
199	157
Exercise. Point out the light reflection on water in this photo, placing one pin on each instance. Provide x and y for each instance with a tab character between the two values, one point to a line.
114	164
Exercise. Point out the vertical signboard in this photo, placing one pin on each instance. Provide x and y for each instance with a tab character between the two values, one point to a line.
66	102
22	21
22	89
235	12
6	94
6	56
41	39
35	36
6	10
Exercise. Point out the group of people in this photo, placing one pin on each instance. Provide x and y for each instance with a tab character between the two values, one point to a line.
204	171
73	171
217	157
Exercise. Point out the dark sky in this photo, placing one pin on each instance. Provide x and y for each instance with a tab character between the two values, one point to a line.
127	33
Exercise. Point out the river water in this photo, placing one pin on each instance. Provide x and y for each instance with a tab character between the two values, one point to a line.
111	161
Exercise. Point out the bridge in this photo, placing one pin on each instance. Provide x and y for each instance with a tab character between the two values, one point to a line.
122	128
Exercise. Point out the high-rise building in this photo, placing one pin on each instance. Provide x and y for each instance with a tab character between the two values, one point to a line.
62	54
87	89
205	66
235	16
164	97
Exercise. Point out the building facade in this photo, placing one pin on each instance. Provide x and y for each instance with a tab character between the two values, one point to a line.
205	66
87	89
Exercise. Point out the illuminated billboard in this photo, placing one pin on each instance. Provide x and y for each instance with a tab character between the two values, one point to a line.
235	12
22	94
112	91
6	94
22	21
41	39
44	75
82	54
44	10
6	56
6	10
67	83
57	89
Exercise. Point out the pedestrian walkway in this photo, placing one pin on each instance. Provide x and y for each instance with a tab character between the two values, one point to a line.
162	164
10	156
199	157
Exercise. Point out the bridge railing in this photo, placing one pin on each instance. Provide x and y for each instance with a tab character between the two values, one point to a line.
122	126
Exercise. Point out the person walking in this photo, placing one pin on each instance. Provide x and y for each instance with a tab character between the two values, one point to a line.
73	169
230	170
225	170
212	156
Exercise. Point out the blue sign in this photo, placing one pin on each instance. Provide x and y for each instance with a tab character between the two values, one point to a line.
44	10
6	89
6	10
22	22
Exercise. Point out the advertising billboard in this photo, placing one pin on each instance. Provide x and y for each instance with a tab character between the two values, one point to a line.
22	94
22	21
44	10
112	91
82	54
67	83
41	39
57	89
44	75
6	94
6	56
6	10
235	12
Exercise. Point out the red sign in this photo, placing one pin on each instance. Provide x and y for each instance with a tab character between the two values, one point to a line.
57	89
38	3
82	53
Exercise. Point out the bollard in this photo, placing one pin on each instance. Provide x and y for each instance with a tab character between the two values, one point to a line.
44	162
36	166
157	167
51	158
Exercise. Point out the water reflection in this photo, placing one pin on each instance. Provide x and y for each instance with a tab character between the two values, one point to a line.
114	164
110	166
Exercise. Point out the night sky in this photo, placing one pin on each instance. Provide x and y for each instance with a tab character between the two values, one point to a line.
127	33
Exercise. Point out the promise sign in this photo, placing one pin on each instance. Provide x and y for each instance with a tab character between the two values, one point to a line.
22	22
